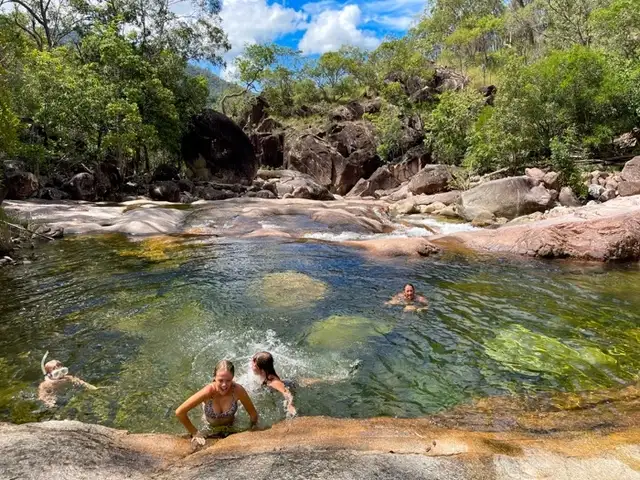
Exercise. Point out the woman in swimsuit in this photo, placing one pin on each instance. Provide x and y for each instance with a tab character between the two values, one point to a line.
219	401
262	364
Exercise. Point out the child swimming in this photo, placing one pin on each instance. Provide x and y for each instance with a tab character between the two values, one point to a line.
262	365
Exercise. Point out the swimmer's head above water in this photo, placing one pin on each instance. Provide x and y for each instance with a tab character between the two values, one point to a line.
53	369
262	364
409	292
223	374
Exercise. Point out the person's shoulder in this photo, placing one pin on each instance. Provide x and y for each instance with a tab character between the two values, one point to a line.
239	389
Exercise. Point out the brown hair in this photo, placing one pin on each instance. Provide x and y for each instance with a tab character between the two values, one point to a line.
224	366
264	361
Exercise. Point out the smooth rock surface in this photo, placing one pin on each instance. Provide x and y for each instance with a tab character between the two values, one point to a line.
590	436
601	232
506	197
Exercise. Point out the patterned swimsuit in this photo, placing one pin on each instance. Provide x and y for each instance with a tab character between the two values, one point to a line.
210	414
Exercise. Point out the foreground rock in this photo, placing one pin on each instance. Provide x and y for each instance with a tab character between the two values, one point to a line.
595	436
606	232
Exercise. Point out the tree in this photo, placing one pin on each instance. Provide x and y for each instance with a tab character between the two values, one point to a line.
49	23
616	27
257	63
331	75
449	124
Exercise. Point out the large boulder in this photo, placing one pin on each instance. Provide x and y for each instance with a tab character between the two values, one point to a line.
165	172
215	148
631	170
411	163
108	181
166	191
507	197
308	153
337	161
21	185
82	187
269	148
356	142
627	189
431	179
567	198
381	179
585	237
3	183
297	185
425	88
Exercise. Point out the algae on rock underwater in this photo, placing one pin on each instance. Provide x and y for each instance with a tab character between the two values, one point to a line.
342	331
529	353
291	289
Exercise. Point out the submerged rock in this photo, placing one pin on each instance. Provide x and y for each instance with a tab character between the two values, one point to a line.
529	353
340	332
291	290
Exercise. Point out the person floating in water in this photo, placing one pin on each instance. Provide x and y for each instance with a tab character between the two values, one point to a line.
56	379
409	298
219	401
262	365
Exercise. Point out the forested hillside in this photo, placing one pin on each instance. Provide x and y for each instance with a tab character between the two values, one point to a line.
561	81
491	84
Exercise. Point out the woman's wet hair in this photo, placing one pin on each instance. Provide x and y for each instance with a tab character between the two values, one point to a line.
51	365
409	285
224	366
264	361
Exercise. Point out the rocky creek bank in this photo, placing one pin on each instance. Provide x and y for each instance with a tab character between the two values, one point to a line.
595	435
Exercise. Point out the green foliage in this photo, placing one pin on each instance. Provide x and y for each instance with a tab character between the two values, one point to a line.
388	130
330	73
577	93
563	153
88	91
450	123
617	27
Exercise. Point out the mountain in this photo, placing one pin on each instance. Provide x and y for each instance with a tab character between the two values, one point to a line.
216	84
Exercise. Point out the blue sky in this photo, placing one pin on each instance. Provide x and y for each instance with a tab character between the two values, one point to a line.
314	27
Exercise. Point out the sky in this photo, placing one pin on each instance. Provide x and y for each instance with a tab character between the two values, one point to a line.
312	27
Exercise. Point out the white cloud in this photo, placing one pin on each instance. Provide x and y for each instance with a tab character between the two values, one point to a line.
331	29
255	21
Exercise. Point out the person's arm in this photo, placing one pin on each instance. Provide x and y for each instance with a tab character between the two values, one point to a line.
395	300
288	396
182	412
244	398
81	383
423	300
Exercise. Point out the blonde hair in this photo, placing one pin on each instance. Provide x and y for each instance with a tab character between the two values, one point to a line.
51	365
224	366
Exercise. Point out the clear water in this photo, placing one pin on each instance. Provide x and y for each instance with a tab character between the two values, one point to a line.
146	322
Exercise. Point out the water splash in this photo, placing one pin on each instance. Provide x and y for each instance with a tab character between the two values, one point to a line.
291	362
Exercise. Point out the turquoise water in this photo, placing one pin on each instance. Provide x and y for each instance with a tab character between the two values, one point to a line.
146	322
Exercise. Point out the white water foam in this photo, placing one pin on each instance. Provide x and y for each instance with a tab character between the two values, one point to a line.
401	231
291	362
